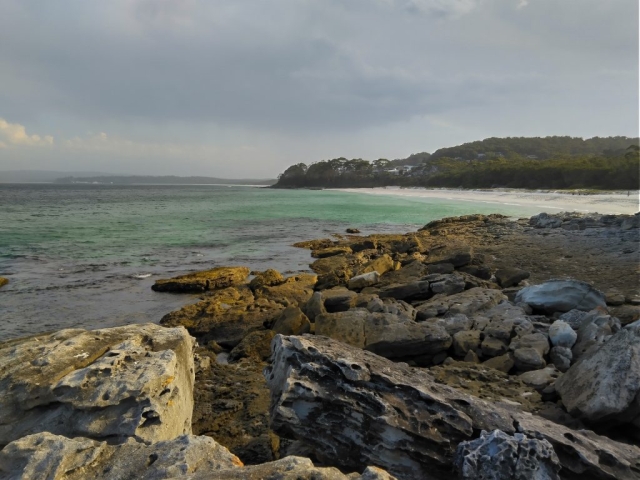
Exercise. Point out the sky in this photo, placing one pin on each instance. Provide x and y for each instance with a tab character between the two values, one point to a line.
243	89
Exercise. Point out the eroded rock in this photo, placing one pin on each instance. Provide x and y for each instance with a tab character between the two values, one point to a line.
561	296
220	277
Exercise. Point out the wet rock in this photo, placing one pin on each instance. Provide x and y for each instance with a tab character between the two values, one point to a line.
561	357
133	381
561	296
3	281
562	335
45	456
354	409
604	386
330	251
291	322
498	456
467	303
352	230
596	328
508	277
364	280
220	277
268	278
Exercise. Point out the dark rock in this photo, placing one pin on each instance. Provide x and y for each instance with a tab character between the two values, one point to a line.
480	271
353	230
354	409
456	254
503	363
220	277
315	306
256	346
467	303
596	328
441	268
508	277
498	456
338	299
561	357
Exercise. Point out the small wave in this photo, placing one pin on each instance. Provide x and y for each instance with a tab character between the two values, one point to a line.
140	276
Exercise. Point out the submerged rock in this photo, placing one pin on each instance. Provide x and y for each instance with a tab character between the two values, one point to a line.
220	277
498	456
133	381
354	409
561	296
3	281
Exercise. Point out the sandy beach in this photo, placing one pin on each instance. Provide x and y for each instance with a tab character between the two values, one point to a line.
547	201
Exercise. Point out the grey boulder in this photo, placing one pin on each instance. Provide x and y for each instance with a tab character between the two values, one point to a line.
498	456
561	296
562	335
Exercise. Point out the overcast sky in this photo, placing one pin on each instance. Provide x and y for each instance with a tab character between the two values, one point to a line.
245	88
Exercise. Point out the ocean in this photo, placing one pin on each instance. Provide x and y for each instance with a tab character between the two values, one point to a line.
85	256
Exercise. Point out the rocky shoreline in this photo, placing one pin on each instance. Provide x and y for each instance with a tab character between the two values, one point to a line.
476	347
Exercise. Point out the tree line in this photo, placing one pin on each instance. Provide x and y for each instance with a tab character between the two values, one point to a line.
613	167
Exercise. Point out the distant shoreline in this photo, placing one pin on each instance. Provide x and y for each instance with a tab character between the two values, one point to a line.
551	201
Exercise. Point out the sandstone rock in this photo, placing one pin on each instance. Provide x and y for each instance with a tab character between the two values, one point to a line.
408	291
3	281
133	381
226	317
561	296
456	254
256	346
508	277
467	303
604	387
364	280
391	305
315	306
382	265
220	277
268	278
561	357
330	251
338	299
295	290
347	327
492	347
291	322
596	328
354	409
45	456
289	468
465	341
540	379
498	456
411	272
562	335
503	363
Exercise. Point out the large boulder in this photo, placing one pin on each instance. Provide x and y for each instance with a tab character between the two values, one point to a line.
561	296
562	335
604	387
116	383
468	303
354	409
498	456
364	280
45	456
595	329
508	277
220	277
457	254
268	278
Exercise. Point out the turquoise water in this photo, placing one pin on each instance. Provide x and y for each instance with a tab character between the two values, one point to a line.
86	255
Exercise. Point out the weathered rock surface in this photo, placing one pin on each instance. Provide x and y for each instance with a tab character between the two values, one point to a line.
468	302
291	322
133	381
45	456
220	277
289	468
595	329
498	456
364	280
356	409
561	296
562	335
604	387
508	277
268	278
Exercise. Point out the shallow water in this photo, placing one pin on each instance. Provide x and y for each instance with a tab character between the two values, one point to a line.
87	255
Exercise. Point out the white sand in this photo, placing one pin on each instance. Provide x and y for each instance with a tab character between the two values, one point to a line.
546	201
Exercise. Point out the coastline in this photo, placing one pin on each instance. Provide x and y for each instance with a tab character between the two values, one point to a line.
604	203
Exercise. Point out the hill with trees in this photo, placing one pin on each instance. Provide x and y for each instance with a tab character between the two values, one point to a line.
551	162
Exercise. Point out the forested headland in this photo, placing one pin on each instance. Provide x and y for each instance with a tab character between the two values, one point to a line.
611	163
